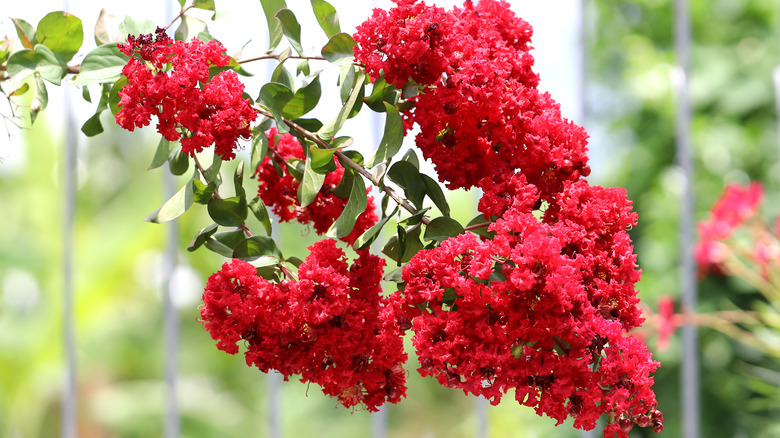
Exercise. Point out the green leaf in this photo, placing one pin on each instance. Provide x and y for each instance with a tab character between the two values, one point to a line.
442	228
344	188
322	159
392	138
261	213
339	49
174	207
62	33
202	193
228	212
408	177
179	162
212	172
436	194
403	246
282	76
310	186
238	180
107	29
201	237
113	95
132	27
354	208
366	239
311	125
84	94
5	50
347	81
101	106
274	96
189	27
411	157
20	91
304	100
329	131
352	155
255	247
207	5
103	64
270	8
303	67
291	29
161	154
24	62
223	242
326	17
92	126
40	97
381	93
26	33
259	149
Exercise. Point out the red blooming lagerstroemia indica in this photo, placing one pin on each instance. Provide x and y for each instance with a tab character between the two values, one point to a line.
541	303
171	80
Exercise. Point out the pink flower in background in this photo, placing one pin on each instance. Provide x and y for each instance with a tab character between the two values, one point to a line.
667	322
737	204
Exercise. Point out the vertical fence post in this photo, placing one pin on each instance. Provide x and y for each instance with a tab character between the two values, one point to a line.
690	362
170	319
481	410
70	400
274	416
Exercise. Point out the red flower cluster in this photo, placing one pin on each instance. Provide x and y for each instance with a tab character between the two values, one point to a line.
279	189
480	113
541	308
735	206
170	80
331	327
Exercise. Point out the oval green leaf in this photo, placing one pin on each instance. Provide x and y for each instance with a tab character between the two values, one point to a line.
228	212
338	50
255	247
442	228
62	33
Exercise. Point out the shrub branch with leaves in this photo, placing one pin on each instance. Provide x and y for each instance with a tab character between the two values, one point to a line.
536	294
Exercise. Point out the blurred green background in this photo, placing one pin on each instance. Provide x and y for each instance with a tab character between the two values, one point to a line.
118	256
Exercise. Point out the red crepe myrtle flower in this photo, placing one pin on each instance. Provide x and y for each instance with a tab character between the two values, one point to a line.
480	113
332	326
170	80
543	307
279	190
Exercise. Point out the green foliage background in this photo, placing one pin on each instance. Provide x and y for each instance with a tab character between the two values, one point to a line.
734	135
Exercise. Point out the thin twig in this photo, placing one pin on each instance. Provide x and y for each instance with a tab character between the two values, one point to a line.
181	14
477	226
277	57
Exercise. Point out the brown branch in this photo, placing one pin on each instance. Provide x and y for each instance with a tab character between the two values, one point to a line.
477	226
216	192
355	166
181	14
